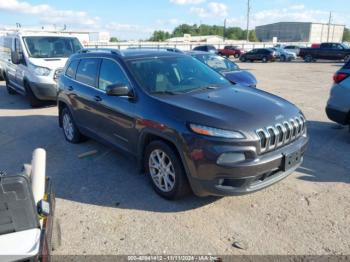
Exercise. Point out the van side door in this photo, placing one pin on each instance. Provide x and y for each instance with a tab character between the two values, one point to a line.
22	66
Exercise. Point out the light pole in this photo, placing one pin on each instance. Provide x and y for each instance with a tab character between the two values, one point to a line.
248	18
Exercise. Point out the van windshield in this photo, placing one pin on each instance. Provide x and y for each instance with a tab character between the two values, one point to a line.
51	46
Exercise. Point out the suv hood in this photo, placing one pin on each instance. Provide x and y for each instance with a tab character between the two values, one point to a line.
233	108
51	63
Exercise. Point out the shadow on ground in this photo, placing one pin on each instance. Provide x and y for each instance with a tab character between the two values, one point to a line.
327	158
110	178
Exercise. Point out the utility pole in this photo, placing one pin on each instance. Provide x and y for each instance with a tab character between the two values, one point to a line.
248	18
329	25
225	29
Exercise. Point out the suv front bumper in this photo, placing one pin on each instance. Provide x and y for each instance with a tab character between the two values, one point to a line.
246	177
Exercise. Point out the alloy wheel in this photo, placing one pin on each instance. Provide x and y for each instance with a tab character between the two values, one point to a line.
162	170
68	127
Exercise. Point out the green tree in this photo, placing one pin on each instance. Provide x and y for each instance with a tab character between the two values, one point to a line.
159	36
113	39
252	36
346	36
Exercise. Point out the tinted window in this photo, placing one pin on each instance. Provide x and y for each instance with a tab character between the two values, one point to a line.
72	69
87	71
111	73
174	74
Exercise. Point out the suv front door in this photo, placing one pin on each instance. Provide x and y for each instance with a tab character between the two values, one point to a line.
117	112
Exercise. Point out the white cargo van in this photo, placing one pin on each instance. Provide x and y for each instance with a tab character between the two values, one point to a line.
30	63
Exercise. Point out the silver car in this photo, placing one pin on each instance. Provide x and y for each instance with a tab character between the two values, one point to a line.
338	106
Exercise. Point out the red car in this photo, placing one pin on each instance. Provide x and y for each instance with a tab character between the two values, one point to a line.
231	50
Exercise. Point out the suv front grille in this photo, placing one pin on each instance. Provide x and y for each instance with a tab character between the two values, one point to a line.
281	134
57	74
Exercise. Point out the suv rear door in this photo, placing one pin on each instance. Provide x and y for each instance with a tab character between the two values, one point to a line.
84	94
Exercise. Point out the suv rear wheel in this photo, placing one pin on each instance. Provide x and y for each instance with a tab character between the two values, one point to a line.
165	171
70	130
264	59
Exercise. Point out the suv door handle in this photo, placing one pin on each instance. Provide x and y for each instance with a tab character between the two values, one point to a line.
97	98
70	88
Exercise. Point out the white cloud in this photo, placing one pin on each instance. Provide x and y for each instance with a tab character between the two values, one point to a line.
48	14
187	2
214	9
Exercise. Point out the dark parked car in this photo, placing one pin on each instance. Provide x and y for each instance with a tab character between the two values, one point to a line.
328	51
206	48
187	125
231	50
227	68
261	54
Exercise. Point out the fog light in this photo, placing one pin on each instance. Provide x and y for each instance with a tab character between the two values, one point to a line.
230	158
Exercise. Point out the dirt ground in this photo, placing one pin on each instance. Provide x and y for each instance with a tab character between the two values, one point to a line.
106	207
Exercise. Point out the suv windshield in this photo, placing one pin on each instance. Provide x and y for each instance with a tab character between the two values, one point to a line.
218	63
170	75
51	46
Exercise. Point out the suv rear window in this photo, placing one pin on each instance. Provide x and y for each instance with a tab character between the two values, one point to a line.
72	69
87	71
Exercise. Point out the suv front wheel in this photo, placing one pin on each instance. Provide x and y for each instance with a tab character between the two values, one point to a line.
165	171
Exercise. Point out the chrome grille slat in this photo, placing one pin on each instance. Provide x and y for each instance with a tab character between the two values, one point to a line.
273	137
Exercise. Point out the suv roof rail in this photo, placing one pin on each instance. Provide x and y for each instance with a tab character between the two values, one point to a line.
105	50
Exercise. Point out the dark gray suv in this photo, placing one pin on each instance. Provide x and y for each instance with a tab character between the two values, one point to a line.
186	125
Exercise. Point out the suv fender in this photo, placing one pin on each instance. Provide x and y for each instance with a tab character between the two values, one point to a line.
172	141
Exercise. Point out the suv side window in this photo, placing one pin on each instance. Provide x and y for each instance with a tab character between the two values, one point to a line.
111	73
87	71
72	69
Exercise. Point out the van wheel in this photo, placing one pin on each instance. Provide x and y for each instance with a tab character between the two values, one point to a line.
308	59
165	171
70	130
10	91
33	101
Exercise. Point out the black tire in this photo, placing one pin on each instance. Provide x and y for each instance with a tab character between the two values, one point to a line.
181	187
236	55
10	91
243	59
33	100
283	58
308	59
265	59
72	136
56	239
347	58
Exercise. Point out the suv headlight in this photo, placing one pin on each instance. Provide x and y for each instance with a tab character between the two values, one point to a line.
215	132
40	71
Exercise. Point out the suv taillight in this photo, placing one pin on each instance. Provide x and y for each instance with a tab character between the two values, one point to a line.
339	77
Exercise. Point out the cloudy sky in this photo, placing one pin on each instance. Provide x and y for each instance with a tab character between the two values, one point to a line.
133	19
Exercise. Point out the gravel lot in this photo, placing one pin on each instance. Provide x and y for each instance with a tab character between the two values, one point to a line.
106	207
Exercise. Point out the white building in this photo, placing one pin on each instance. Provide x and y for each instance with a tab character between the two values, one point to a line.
300	32
197	39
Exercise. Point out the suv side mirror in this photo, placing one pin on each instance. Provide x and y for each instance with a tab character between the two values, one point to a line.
17	57
118	90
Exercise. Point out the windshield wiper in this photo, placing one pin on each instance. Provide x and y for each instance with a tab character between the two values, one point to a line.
208	87
164	93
